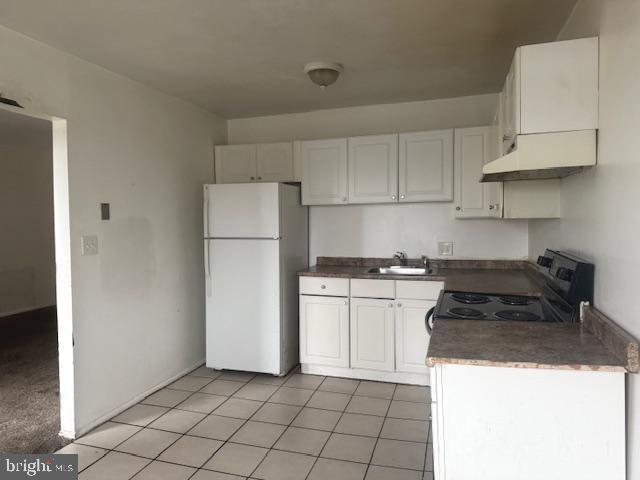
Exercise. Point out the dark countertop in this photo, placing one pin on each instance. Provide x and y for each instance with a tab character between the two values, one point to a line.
520	345
508	278
506	344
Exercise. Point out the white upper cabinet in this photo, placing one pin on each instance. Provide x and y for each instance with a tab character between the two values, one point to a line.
235	163
324	172
426	166
373	169
473	198
275	162
551	87
265	162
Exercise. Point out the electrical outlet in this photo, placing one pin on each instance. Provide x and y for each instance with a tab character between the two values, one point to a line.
89	245
445	249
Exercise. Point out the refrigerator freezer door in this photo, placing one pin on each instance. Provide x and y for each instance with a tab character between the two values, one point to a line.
243	305
242	210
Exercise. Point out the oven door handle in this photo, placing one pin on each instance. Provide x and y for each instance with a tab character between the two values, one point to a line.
428	316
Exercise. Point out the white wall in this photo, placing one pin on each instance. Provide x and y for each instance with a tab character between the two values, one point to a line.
368	120
601	214
380	230
138	306
27	263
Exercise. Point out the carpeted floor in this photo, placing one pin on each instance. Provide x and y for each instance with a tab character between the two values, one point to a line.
29	390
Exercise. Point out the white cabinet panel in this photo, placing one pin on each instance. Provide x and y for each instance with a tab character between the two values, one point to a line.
532	199
418	289
559	86
324	330
275	162
412	338
473	198
335	287
324	172
426	166
574	420
511	104
235	163
373	169
372	325
363	287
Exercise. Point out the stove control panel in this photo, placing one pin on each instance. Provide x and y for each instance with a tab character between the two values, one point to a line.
545	261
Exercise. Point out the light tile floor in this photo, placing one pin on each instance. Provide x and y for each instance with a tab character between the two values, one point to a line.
212	425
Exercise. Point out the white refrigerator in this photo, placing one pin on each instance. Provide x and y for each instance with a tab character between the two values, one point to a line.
255	242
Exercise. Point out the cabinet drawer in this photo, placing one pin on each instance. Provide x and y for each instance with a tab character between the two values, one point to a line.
419	290
372	288
337	287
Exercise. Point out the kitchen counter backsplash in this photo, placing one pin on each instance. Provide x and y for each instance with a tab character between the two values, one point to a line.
436	262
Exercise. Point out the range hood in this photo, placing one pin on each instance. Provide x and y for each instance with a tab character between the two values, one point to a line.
544	155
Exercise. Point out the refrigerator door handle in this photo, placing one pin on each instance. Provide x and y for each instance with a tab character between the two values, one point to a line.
205	211
207	269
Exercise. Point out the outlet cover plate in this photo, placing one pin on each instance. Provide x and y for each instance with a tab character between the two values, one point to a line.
445	249
89	245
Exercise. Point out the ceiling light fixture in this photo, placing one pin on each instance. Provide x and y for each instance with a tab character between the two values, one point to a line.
323	74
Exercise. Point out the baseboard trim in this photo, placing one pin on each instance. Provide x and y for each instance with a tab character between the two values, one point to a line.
362	374
93	424
10	313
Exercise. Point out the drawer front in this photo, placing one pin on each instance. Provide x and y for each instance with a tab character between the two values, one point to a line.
418	290
366	288
336	287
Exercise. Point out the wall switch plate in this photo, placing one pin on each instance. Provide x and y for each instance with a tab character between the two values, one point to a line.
445	249
89	245
105	211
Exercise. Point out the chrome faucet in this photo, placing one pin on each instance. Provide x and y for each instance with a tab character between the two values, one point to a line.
402	258
426	263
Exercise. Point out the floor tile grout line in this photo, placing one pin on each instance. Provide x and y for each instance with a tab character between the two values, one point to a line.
244	383
147	426
224	442
378	438
332	432
285	430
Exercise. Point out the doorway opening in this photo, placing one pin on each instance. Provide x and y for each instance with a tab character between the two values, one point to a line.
36	344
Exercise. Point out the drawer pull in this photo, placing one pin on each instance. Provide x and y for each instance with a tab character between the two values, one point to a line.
323	287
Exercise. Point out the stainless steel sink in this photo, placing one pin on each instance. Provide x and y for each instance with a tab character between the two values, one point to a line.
399	270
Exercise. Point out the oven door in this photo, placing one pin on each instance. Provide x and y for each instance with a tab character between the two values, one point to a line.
556	308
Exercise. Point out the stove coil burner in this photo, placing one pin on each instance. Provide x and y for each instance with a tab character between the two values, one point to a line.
515	300
470	298
517	315
466	313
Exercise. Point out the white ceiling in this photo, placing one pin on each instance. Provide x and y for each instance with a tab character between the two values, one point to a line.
241	58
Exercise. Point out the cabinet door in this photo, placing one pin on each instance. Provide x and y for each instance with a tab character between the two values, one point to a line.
511	104
373	169
324	172
324	330
412	338
235	163
473	198
372	343
275	162
426	166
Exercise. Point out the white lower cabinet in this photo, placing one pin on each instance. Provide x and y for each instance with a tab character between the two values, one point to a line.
324	330
372	322
412	338
527	423
375	333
